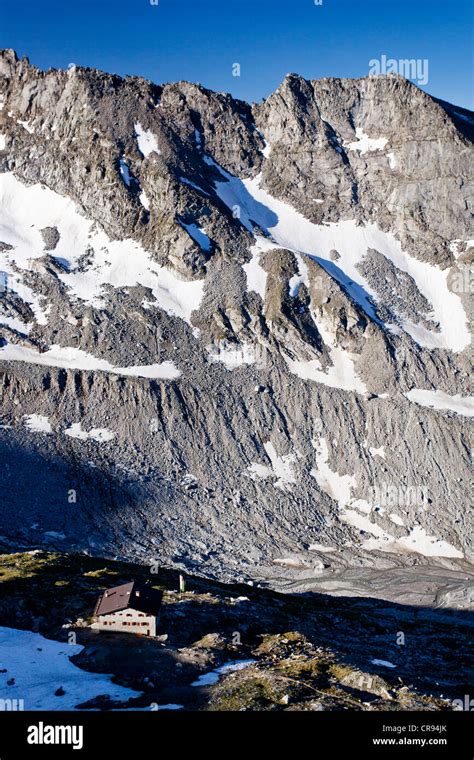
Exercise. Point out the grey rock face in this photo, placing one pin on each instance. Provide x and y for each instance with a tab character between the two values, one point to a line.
211	316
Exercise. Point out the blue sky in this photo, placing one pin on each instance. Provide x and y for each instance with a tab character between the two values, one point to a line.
200	40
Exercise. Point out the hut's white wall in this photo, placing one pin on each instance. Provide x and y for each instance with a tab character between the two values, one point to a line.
126	621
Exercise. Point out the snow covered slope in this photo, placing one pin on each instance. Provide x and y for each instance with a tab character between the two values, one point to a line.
39	673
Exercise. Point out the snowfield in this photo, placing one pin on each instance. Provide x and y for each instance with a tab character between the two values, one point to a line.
125	172
281	468
463	405
383	663
358	513
365	144
75	358
255	273
211	678
289	229
37	423
101	435
146	141
342	374
198	235
233	356
40	666
24	211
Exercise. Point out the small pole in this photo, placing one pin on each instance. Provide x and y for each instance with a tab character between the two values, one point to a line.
182	584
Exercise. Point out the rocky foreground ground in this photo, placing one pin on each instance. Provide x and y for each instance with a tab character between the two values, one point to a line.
304	651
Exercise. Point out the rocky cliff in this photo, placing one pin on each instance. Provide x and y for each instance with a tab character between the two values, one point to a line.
235	338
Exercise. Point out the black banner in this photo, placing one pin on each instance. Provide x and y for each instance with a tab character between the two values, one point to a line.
113	734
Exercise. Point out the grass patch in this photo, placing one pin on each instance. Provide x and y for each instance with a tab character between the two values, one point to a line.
246	693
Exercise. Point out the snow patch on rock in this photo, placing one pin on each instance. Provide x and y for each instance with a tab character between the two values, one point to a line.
37	423
289	229
75	358
24	211
356	513
125	172
281	468
365	144
146	141
341	374
255	273
298	279
232	356
101	435
198	235
380	452
463	405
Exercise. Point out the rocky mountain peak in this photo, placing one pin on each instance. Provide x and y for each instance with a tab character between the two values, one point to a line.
249	324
